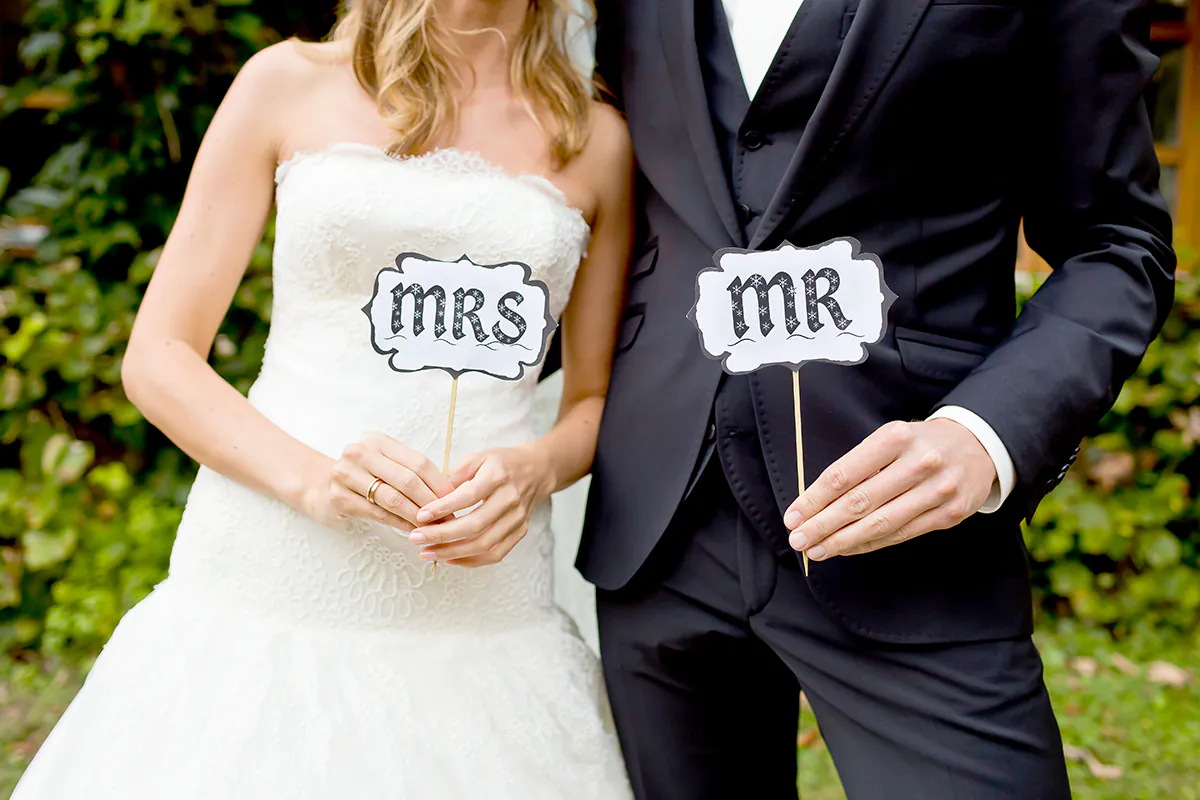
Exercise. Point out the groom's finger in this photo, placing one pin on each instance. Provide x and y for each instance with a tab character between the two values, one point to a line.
874	453
882	487
879	529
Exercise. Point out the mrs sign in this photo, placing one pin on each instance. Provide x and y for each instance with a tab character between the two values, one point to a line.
459	316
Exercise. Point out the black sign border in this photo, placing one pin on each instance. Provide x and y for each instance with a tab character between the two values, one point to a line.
856	253
528	280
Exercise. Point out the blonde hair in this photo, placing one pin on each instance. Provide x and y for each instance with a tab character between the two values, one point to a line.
402	56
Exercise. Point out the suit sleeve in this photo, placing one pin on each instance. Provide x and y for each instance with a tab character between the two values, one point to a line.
1092	209
610	45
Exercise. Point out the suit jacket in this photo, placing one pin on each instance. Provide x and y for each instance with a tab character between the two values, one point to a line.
940	126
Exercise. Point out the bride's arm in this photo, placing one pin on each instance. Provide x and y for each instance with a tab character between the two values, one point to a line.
165	371
511	481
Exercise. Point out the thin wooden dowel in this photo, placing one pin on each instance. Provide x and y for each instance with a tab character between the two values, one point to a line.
449	437
799	444
450	426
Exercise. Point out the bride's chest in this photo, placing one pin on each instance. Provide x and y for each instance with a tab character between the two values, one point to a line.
342	217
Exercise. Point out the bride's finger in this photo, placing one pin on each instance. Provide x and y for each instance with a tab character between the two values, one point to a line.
359	479
348	503
466	470
421	466
457	529
402	491
496	553
478	546
462	498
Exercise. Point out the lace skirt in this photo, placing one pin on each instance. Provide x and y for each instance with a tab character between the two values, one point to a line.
202	694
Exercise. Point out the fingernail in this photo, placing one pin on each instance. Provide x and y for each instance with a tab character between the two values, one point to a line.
417	538
817	553
798	541
428	555
792	519
424	516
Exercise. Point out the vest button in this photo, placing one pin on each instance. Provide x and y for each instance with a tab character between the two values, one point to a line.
754	140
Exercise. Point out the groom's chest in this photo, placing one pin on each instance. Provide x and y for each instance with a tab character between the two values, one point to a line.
764	64
754	76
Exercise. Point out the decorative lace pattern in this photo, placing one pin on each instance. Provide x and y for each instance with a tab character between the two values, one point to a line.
282	658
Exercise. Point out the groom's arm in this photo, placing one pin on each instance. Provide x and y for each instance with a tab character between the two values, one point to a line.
610	48
1094	212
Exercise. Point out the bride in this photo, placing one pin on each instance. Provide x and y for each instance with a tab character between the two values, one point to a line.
306	645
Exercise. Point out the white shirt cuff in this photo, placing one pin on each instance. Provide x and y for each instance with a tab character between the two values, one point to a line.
1006	473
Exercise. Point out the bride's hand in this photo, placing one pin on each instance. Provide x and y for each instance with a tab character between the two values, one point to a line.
409	481
507	483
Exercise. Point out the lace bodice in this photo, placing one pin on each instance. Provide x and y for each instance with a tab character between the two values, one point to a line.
344	213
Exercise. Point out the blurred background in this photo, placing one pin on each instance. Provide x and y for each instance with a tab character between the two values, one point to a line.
102	106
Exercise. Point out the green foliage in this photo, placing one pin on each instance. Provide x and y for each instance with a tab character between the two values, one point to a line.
1118	543
90	495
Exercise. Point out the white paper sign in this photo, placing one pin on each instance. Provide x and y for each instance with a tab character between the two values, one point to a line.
791	306
459	317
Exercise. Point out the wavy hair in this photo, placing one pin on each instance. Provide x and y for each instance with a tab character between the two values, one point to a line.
402	57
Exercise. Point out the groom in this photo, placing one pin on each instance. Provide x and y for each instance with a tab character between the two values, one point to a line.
927	129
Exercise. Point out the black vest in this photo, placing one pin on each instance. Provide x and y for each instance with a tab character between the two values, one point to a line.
757	141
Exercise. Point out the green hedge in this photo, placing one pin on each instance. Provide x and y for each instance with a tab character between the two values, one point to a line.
1118	543
90	495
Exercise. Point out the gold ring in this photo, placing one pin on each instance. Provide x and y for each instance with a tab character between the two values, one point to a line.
372	490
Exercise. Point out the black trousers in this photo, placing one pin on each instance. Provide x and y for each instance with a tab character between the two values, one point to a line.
705	653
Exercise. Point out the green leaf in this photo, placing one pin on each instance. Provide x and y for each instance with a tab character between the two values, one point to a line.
40	46
44	549
1159	549
113	478
65	459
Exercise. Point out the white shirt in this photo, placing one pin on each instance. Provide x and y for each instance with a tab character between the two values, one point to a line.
758	28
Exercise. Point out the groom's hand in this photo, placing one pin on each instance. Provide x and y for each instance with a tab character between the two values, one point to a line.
904	480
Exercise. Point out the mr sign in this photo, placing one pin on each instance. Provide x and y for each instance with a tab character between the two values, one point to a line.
459	317
791	305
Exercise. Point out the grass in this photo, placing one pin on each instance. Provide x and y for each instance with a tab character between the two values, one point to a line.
1129	735
1130	717
32	697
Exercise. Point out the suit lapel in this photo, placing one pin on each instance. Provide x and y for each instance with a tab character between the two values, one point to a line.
878	37
677	27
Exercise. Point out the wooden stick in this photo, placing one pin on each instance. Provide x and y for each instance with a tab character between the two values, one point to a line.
450	426
449	436
799	444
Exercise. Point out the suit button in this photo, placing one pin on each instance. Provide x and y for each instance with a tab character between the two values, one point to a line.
754	140
712	431
746	213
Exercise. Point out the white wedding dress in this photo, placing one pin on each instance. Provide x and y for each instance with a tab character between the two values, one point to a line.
285	659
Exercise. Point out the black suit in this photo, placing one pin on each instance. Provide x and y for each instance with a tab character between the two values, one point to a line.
927	129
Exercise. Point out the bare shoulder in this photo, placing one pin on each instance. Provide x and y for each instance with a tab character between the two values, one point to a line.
606	163
609	143
272	96
281	71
